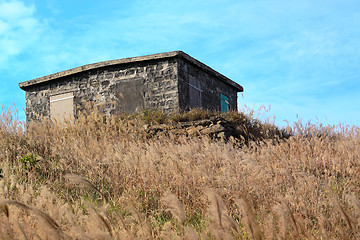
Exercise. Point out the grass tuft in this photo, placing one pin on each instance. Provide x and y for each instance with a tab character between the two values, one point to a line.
301	182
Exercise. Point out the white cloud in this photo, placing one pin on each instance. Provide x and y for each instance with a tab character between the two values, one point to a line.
14	9
3	26
18	29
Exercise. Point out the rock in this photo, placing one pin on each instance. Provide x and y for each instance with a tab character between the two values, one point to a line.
213	129
178	131
221	135
194	131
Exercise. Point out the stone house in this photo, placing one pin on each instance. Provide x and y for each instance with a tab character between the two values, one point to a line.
171	82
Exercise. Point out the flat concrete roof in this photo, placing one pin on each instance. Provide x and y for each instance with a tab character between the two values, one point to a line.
53	77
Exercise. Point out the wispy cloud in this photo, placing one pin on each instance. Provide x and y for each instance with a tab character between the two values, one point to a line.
18	29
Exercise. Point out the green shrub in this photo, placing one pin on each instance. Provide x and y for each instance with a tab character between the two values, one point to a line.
29	161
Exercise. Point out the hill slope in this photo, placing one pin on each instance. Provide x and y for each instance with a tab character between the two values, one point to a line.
116	178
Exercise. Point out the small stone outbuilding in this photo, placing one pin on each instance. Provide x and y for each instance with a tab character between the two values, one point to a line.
171	82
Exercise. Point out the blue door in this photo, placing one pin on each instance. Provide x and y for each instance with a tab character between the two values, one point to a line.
224	103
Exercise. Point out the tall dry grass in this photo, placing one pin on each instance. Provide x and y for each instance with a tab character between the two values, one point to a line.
102	179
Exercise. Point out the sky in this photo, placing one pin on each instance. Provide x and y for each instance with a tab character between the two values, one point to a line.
300	60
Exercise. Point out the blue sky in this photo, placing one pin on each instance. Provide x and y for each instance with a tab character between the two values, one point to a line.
302	58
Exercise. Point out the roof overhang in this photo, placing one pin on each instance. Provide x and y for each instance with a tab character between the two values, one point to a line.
55	76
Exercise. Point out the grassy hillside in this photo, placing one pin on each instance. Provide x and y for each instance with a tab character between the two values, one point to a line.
104	178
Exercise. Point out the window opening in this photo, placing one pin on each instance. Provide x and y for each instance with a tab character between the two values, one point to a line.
62	106
195	92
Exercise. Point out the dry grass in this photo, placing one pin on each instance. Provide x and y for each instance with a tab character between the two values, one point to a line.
101	179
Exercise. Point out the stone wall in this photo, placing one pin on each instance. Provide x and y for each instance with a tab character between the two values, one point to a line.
158	81
211	87
117	88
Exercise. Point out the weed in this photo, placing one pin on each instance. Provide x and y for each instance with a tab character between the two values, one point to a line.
302	183
29	161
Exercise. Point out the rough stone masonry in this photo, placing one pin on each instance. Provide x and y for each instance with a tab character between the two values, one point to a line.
171	82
